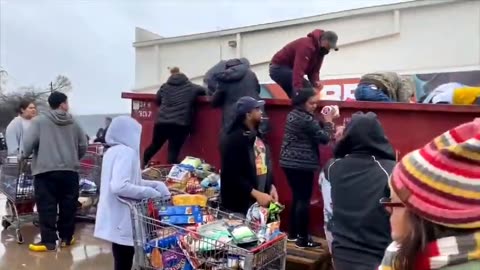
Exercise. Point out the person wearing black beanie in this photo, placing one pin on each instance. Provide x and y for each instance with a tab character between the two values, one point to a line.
300	158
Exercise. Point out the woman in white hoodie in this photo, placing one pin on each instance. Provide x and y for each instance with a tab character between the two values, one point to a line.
121	178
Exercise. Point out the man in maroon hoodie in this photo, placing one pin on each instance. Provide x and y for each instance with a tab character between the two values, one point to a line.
299	57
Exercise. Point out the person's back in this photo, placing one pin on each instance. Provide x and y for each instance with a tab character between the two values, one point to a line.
359	179
176	99
236	81
57	142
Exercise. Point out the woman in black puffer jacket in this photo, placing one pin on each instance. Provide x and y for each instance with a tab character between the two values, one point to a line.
299	158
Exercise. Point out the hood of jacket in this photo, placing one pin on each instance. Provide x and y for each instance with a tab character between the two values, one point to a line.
59	117
315	35
234	70
124	130
177	79
364	135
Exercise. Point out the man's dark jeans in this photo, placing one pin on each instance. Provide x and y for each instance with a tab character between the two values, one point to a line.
54	191
283	76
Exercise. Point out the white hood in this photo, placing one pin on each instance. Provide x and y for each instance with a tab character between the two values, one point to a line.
124	130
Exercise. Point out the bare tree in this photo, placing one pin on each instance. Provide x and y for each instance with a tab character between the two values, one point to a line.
62	84
3	80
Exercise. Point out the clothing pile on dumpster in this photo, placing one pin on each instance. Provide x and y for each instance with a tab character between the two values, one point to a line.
193	236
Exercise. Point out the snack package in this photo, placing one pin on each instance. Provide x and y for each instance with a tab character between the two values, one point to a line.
212	181
180	173
188	200
183	219
173	259
266	222
166	238
193	186
179	210
192	161
242	235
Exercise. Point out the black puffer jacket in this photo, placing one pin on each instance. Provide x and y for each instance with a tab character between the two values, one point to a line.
359	179
303	134
236	81
176	99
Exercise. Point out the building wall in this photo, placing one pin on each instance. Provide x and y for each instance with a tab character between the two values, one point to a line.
422	39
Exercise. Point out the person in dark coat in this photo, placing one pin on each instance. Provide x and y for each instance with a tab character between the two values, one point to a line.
364	160
300	159
301	57
102	132
209	79
235	81
176	100
247	173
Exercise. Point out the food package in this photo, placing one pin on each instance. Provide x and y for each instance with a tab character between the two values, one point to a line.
266	222
242	235
183	220
189	199
212	181
156	259
192	161
179	210
163	238
193	186
327	109
174	259
180	173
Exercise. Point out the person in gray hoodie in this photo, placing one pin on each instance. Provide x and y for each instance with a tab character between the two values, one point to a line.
58	143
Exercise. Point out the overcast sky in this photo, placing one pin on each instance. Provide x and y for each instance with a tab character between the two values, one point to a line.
90	41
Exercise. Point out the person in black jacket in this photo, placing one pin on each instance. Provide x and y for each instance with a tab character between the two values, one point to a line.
364	160
235	81
245	159
299	159
176	100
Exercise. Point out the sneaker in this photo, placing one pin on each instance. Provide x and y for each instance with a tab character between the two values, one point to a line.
292	239
307	243
66	243
42	247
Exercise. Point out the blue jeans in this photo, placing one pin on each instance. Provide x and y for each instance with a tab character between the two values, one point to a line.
367	92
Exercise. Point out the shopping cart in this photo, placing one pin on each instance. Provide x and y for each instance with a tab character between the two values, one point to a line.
90	178
269	255
16	182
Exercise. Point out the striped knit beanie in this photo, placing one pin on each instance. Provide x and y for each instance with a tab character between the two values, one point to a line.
441	181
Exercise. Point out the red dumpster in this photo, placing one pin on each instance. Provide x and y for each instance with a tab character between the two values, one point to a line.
408	126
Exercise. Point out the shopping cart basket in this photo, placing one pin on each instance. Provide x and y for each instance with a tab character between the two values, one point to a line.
16	182
269	255
89	192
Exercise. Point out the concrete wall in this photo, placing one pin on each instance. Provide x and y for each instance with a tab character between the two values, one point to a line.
433	38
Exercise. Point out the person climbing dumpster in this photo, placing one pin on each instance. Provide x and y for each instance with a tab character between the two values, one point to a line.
303	56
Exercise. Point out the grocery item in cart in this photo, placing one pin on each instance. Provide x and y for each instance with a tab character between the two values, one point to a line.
182	219
179	210
87	186
192	161
265	220
189	199
180	173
